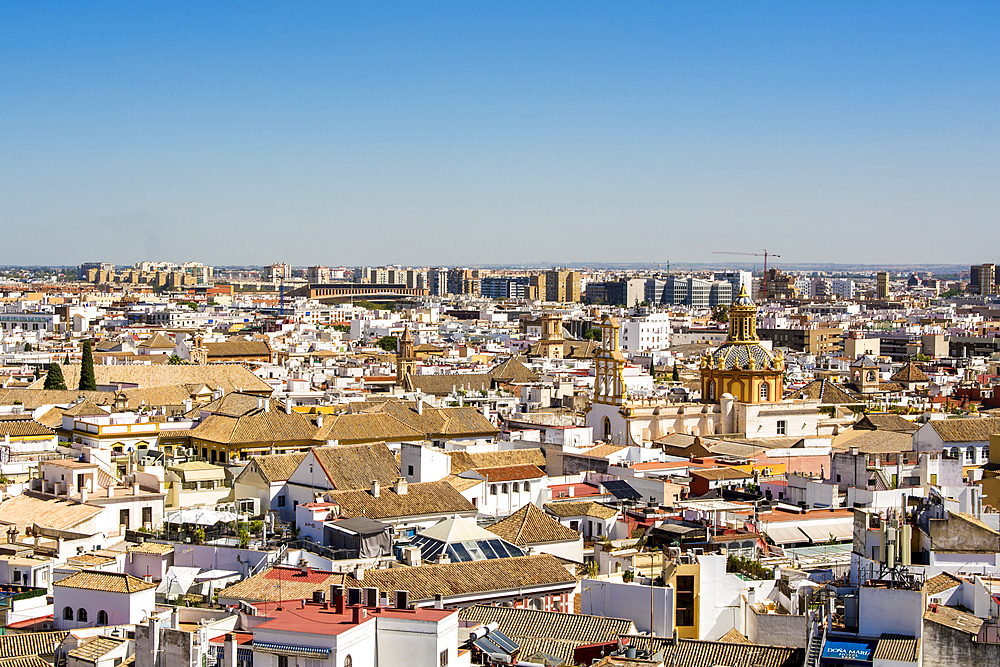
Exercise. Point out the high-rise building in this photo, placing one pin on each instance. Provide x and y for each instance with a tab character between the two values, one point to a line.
83	269
738	279
562	286
882	285
843	289
720	293
277	272
437	281
983	279
318	275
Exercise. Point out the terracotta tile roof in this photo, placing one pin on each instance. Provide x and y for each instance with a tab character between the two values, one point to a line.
46	511
33	398
477	576
875	442
30	643
940	583
827	392
699	653
235	422
280	583
25	661
104	581
423	498
153	548
238	348
277	467
85	408
230	377
910	372
721	473
603	451
158	342
354	428
734	636
353	467
511	473
89	559
885	422
462	461
954	619
567	631
21	428
530	525
897	647
443	385
462	483
513	371
968	429
94	649
581	508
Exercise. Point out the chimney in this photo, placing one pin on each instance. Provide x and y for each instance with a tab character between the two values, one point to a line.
420	406
358	614
230	650
438	601
359	572
267	404
375	488
217	393
260	403
319	420
288	405
135	488
371	597
111	490
83	494
187	405
751	595
337	598
400	486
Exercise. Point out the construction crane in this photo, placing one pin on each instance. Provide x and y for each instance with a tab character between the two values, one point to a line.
764	254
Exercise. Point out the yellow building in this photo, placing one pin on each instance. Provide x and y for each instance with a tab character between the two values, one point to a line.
991	475
742	367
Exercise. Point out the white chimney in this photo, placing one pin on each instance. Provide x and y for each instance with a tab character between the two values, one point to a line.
267	404
83	494
111	490
400	486
319	420
135	488
288	405
260	403
751	595
420	406
375	488
187	405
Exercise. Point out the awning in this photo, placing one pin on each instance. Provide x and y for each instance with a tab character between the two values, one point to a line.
201	517
785	534
821	531
314	652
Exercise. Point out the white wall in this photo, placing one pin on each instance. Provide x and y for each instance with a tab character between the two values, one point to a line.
890	610
635	602
122	608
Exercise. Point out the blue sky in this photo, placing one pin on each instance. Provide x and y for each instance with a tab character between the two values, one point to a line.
463	133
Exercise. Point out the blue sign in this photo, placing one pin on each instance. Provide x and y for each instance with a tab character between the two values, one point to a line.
853	651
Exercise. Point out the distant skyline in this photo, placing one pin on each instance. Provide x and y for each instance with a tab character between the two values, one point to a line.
504	133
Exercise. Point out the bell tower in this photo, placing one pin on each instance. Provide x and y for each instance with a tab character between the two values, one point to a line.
551	344
406	362
609	366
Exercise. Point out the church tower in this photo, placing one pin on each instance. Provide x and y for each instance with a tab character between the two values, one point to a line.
609	365
551	344
742	367
406	362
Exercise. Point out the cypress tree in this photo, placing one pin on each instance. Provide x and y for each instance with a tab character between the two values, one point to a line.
87	380
66	362
54	378
676	375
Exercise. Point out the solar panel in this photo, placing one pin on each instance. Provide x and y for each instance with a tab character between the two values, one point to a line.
507	644
621	490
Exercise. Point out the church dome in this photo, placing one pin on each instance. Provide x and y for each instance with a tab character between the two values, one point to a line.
737	356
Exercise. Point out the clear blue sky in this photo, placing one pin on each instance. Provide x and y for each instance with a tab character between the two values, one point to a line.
452	133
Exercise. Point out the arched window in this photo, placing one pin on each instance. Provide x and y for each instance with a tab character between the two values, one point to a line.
493	489
67	613
81	614
954	452
527	487
607	428
102	617
348	662
986	454
515	488
765	390
871	376
970	454
503	488
711	391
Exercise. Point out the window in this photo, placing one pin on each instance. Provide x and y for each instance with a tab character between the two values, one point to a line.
711	391
503	488
685	600
102	617
409	470
970	454
443	661
838	478
81	614
574	525
986	453
527	487
123	518
17	576
67	613
954	452
515	488
782	427
493	489
281	501
607	428
764	391
347	662
599	528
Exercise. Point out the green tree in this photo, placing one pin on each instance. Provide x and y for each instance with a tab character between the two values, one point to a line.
54	378
387	343
593	333
66	360
198	535
720	314
87	380
244	538
27	347
175	360
676	374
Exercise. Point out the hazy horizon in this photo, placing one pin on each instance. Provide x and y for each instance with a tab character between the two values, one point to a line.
461	134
